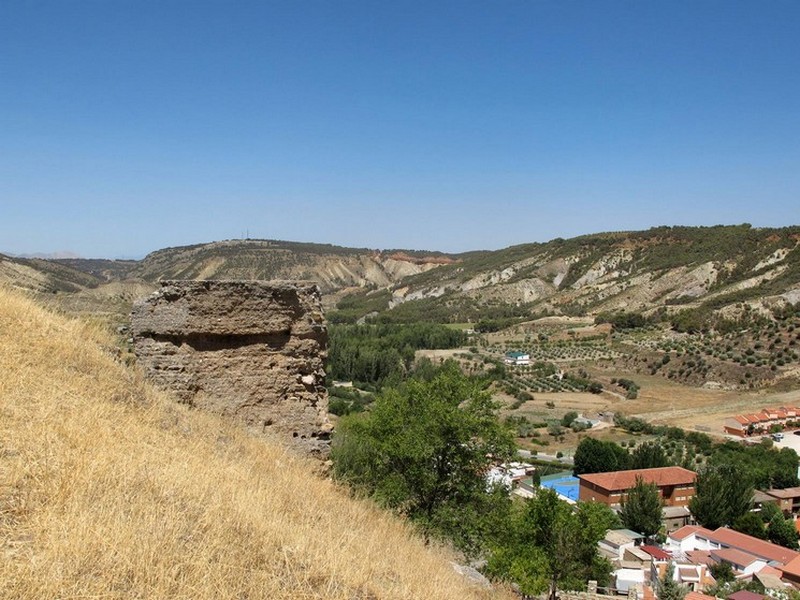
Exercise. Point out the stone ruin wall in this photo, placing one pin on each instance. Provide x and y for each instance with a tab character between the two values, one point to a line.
250	350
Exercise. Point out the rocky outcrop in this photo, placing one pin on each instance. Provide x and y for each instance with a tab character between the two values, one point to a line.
247	349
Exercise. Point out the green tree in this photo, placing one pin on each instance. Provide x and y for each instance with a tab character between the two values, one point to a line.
722	495
751	524
375	354
596	456
422	450
766	467
641	509
769	510
648	456
723	589
782	531
668	588
552	547
722	572
568	418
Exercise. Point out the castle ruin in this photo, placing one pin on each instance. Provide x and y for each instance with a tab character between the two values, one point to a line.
250	350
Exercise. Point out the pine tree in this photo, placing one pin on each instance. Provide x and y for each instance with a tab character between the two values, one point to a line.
641	509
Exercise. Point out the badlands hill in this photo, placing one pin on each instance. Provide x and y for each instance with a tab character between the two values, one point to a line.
109	489
332	267
664	268
670	268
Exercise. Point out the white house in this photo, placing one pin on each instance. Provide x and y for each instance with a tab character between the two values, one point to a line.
617	541
625	579
517	359
740	562
691	537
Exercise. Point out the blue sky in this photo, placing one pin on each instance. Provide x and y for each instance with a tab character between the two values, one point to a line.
130	126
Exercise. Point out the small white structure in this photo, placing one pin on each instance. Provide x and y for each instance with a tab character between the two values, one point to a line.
626	579
517	359
617	541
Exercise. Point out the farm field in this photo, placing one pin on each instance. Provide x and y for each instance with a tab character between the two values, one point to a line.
536	392
659	401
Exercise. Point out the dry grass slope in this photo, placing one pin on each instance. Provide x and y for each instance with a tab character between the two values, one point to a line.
110	490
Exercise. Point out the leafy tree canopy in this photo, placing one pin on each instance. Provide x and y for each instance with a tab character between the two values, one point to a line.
767	467
423	449
597	456
649	455
641	509
373	353
782	531
751	524
553	547
722	572
722	495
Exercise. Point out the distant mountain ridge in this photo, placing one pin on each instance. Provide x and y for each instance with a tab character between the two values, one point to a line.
332	267
669	268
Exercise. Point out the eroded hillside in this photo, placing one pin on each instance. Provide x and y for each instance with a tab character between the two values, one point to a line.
670	268
109	489
667	269
44	276
331	267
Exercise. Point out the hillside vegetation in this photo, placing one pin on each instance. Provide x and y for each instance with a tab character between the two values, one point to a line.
45	276
109	489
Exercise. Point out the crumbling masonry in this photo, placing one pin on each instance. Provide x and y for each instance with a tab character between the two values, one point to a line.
251	350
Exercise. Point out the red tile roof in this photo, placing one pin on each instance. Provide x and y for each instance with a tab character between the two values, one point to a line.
734	556
687	530
698	596
656	552
700	557
745	595
770	571
688	574
768	414
625	480
793	492
754	546
792	567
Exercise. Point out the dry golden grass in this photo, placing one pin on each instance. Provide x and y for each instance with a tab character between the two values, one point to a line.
108	489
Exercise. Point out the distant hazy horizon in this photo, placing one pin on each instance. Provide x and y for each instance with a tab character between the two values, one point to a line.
450	126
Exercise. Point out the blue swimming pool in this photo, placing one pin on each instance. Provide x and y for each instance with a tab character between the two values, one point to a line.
564	484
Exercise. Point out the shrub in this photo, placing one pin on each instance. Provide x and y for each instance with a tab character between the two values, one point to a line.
568	418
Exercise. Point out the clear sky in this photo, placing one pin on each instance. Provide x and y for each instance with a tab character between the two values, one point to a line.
130	126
